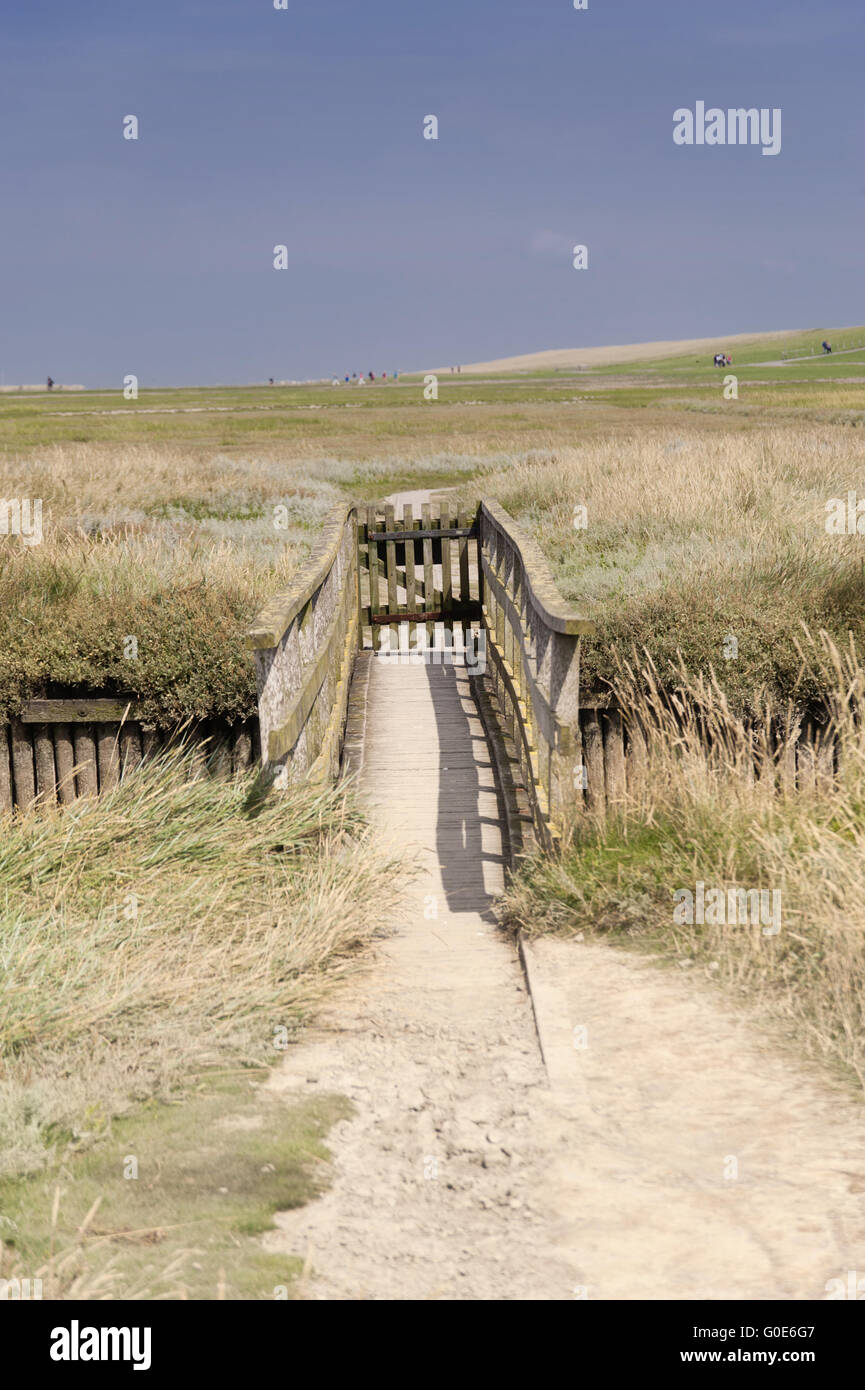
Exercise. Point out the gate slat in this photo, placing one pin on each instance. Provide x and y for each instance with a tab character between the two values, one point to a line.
390	563
429	597
410	587
465	590
374	596
447	576
363	615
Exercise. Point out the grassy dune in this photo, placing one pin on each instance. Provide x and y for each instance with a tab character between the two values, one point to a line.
692	539
174	548
701	815
171	927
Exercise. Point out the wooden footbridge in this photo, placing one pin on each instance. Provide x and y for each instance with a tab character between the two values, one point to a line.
414	645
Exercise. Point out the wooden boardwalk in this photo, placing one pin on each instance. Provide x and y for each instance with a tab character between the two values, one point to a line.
416	746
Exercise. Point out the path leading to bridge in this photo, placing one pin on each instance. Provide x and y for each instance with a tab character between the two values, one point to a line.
644	1141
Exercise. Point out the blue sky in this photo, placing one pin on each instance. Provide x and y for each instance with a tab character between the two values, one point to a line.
304	127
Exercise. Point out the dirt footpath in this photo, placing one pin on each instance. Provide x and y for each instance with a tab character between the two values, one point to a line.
658	1148
674	1157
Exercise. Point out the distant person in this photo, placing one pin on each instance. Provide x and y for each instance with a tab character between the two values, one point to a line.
826	346
270	380
50	383
372	376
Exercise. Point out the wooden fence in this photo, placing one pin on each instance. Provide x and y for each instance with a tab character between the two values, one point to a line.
60	750
533	649
304	643
801	757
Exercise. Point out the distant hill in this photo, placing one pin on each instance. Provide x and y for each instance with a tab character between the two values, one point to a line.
628	352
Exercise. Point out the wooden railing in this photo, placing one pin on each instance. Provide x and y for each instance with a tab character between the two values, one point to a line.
304	643
533	640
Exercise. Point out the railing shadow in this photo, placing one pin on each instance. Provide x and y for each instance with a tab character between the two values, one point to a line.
460	819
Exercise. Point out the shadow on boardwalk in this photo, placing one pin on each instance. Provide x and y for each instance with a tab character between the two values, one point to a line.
467	824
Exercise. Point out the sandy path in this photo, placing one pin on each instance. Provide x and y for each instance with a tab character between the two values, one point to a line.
668	1151
703	1163
436	1176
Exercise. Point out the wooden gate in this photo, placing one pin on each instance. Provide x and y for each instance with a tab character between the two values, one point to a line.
417	574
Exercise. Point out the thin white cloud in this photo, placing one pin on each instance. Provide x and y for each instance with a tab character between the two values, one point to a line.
550	244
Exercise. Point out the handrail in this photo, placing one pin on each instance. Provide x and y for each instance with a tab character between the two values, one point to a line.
533	639
271	621
558	615
304	642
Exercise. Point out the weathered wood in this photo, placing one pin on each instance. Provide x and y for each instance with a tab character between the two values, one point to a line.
130	748
219	753
410	576
7	799
195	741
273	620
447	576
614	759
465	589
107	756
471	611
636	760
806	761
374	594
78	711
151	741
86	780
557	615
407	534
593	743
786	758
64	761
390	562
824	763
23	771
298	677
283	738
43	751
241	753
428	582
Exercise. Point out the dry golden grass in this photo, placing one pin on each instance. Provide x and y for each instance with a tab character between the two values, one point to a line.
703	813
694	537
167	927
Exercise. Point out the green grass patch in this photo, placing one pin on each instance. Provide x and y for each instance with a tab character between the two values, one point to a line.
177	1196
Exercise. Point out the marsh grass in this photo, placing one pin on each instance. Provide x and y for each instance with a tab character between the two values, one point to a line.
162	931
693	538
703	812
174	549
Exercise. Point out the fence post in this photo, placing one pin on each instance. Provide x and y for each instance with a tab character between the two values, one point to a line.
564	675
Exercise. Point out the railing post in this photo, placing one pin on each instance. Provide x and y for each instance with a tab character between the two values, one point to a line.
565	699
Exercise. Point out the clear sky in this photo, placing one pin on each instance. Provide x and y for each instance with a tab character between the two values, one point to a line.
305	127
